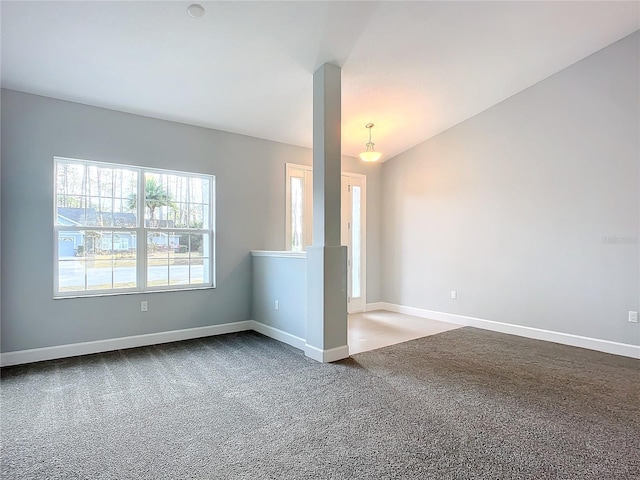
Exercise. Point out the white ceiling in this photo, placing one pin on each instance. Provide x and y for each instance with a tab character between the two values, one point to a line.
413	68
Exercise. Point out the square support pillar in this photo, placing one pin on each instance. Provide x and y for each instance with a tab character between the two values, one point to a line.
326	258
326	303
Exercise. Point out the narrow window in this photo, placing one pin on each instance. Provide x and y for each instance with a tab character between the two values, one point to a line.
299	207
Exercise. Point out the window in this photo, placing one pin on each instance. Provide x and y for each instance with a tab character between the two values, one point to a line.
122	229
299	207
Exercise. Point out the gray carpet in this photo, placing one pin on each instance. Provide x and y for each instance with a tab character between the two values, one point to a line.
464	404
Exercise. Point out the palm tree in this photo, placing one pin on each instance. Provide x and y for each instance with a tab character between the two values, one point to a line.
154	196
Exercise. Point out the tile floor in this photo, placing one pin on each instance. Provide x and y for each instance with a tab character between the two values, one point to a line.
371	330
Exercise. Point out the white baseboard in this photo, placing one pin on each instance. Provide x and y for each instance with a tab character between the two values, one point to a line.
331	355
370	307
98	346
279	335
326	356
606	346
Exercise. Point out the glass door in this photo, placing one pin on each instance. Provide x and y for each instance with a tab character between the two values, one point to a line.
353	237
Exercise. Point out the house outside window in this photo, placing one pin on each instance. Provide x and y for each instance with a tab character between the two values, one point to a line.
126	229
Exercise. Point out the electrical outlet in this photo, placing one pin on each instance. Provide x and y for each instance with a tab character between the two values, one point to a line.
454	294
633	317
277	305
144	306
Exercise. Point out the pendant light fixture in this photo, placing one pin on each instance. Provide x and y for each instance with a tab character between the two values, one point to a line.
370	155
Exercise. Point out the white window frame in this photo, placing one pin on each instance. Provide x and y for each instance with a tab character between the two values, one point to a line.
355	304
141	234
306	173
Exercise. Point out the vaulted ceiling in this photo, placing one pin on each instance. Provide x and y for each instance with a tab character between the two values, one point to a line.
413	68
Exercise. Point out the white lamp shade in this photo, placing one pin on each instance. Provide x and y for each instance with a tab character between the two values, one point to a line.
370	156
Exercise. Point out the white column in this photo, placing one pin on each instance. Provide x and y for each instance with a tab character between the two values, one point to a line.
326	259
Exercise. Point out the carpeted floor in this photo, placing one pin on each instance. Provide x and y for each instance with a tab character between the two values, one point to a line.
464	404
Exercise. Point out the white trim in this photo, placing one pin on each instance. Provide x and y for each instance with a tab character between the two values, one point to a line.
126	292
326	356
281	254
370	307
305	172
85	348
279	335
331	355
607	346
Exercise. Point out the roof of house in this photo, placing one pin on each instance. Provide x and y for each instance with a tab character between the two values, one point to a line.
120	219
78	216
90	217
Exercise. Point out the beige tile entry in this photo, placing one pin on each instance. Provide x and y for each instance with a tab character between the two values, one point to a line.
371	330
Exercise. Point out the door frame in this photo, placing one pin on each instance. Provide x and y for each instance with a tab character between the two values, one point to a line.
362	180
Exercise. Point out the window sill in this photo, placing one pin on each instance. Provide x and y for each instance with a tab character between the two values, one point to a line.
116	294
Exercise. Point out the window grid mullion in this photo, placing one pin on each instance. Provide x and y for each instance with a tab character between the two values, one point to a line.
142	242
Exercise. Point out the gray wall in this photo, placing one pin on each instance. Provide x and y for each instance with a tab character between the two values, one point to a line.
249	215
515	208
285	280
